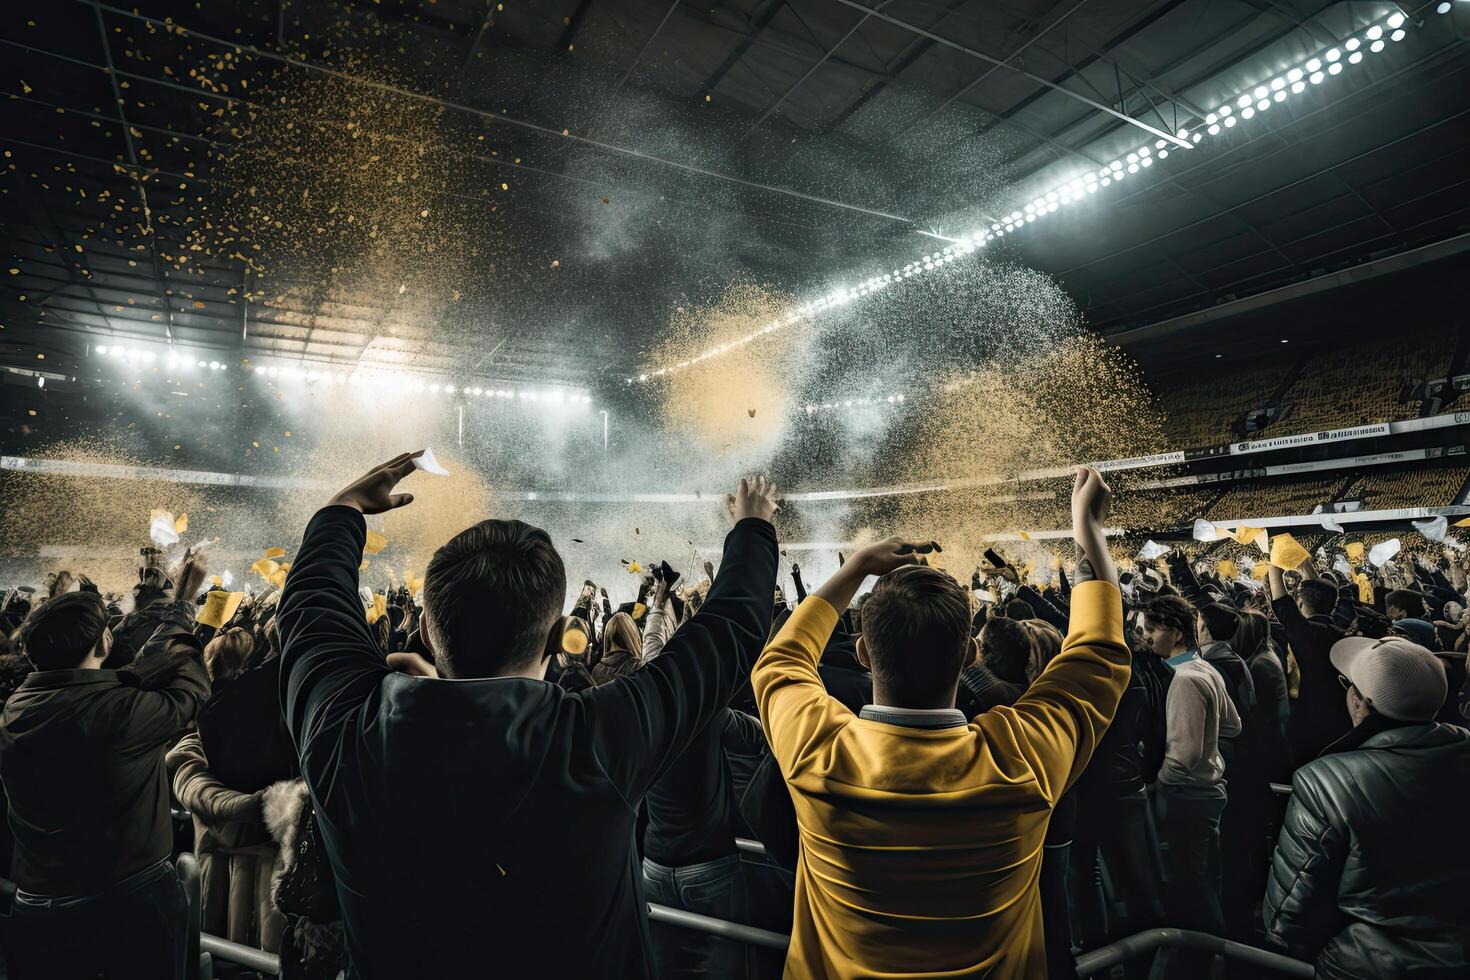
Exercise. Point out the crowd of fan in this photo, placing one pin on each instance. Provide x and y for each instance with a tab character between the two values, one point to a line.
948	780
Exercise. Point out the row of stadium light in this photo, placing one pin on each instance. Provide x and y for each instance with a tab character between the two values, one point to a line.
1327	63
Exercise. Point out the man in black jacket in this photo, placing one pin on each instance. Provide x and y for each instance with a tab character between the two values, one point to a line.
1368	879
81	755
1318	718
484	823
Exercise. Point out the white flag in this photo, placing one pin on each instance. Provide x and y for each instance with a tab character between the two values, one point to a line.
1433	528
1204	530
429	464
1383	552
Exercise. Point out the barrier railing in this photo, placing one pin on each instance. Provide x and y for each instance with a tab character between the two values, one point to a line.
1105	957
750	846
247	956
719	927
1088	964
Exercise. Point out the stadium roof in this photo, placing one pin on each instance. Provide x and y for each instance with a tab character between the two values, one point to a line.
642	155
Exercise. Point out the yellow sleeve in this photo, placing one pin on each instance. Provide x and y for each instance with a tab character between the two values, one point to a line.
1058	721
797	713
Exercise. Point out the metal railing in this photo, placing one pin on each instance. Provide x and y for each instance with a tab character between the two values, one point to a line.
247	956
1088	964
750	846
1096	961
719	927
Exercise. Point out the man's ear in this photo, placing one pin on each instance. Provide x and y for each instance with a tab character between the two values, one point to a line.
972	652
426	636
862	653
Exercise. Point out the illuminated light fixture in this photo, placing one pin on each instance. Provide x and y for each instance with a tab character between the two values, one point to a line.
1397	35
1443	8
1376	46
1244	106
102	348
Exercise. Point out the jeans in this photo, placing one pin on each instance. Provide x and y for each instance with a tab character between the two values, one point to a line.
1191	830
710	888
1116	829
136	930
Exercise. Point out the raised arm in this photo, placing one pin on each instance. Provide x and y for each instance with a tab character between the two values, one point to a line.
1058	722
643	722
330	661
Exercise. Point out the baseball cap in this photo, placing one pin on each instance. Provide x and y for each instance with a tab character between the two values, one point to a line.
1418	631
1404	681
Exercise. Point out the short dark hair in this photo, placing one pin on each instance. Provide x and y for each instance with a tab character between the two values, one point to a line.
490	596
1319	597
1005	647
60	633
1171	612
916	629
1019	609
1410	602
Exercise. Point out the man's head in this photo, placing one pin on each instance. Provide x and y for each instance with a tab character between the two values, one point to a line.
1005	648
1019	609
1393	677
1403	604
491	596
1316	598
916	633
1168	625
67	632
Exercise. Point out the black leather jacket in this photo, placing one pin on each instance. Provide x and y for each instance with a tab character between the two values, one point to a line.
1369	877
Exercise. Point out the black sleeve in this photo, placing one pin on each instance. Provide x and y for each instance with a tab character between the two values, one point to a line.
330	662
768	810
742	734
1346	609
166	685
645	721
796	580
1043	608
1064	585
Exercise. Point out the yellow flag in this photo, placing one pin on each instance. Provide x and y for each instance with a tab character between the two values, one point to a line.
1462	522
1246	535
1228	569
265	568
638	610
1365	588
413	582
216	581
219	608
375	543
1355	550
1287	552
1259	572
274	553
181	524
278	578
379	610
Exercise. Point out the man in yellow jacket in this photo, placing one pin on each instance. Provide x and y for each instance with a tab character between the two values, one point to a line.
921	831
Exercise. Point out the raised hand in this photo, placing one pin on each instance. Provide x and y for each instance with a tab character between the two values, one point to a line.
884	556
1092	501
753	498
372	493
